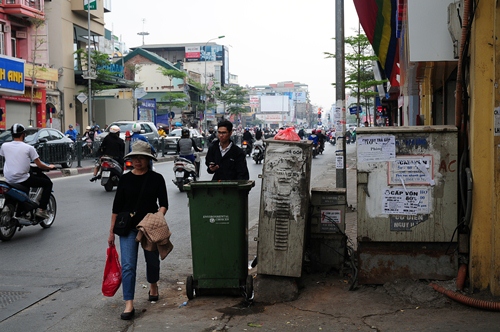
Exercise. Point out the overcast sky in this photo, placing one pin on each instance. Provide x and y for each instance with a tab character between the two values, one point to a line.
269	40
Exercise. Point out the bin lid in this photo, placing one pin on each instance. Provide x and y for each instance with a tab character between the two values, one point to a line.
241	184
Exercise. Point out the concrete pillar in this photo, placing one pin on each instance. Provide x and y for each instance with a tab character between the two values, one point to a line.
484	267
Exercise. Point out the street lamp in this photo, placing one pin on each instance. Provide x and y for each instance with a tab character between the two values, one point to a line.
205	112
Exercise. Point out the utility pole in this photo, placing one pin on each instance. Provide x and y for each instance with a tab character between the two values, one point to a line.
340	116
89	75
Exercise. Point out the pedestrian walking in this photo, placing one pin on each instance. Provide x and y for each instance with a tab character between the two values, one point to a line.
129	194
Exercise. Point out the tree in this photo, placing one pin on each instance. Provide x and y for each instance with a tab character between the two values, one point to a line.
174	99
100	65
234	99
36	23
359	70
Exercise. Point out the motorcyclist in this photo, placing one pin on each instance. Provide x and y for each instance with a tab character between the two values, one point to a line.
314	138
71	133
212	137
301	133
258	139
136	135
18	156
321	139
88	137
186	146
161	132
112	146
247	136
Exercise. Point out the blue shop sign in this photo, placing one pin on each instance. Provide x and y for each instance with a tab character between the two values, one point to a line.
11	75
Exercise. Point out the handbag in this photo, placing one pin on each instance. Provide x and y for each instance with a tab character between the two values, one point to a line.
123	223
112	272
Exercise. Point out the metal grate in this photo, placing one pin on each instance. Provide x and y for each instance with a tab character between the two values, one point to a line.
282	228
9	297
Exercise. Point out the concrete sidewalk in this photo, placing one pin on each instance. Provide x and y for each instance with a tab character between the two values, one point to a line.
324	302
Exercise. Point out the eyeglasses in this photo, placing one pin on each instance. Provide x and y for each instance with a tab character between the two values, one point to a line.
223	132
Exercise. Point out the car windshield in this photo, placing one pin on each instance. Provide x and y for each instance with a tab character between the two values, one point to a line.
123	126
6	136
30	135
175	132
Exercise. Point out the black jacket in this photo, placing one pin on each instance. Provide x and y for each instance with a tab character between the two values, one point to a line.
112	145
233	166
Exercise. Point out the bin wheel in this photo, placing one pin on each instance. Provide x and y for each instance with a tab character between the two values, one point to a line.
249	287
190	288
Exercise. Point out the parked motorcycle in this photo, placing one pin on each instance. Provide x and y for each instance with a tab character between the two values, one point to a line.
18	205
258	153
111	171
185	172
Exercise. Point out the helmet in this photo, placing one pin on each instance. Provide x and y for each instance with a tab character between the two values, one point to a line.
185	132
17	129
88	128
114	129
161	127
136	127
313	131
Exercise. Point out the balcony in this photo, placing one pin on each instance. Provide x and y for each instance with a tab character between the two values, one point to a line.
24	8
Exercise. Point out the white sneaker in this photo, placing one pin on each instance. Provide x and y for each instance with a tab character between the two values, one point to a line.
42	214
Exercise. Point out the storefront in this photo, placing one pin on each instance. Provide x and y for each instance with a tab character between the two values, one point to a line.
20	100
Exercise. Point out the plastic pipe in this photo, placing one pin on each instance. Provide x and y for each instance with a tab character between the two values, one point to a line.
476	303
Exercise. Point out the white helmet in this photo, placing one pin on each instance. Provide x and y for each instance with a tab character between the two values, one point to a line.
136	127
114	129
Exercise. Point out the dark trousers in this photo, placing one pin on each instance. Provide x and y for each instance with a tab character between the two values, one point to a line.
43	181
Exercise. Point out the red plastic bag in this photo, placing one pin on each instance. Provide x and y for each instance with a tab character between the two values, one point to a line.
112	272
287	134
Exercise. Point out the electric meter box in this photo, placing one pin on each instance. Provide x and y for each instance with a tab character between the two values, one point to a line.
327	240
407	203
284	205
328	210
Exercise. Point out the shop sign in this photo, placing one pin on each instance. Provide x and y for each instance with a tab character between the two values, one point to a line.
11	75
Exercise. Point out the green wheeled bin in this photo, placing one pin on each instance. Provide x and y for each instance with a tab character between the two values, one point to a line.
218	214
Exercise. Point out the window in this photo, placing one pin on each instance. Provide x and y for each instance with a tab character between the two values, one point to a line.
13	43
2	46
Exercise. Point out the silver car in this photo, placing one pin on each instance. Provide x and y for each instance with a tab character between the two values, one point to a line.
170	142
148	130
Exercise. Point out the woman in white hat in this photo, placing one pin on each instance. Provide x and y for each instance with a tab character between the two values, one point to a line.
144	191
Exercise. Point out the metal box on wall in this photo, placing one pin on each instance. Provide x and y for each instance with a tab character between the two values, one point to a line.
327	240
407	202
284	207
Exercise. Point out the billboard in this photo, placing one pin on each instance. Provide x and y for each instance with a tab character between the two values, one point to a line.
274	104
204	53
192	52
146	111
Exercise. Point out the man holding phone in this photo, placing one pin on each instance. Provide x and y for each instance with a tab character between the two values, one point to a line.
225	160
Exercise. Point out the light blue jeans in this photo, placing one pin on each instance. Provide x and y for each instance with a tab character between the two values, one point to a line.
129	251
